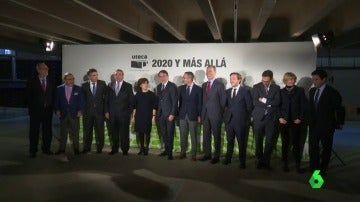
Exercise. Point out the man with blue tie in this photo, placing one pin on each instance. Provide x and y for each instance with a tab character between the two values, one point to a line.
118	110
190	101
69	103
266	100
325	109
95	94
237	112
214	100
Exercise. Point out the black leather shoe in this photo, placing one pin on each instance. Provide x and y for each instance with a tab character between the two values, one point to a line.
48	152
59	152
286	168
214	160
113	152
182	156
85	151
300	170
146	152
226	161
99	151
163	153
170	157
205	158
32	155
125	153
259	165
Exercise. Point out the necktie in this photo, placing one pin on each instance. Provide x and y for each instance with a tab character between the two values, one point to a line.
68	93
316	99
267	90
43	85
234	93
207	88
162	87
117	89
94	89
187	90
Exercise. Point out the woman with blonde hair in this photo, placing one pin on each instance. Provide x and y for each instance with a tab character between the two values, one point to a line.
291	117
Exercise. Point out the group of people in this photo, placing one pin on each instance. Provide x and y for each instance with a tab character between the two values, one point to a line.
265	107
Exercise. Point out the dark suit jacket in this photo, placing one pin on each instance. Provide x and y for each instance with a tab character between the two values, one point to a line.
239	108
271	105
324	117
214	103
37	100
168	99
75	104
293	104
95	104
122	103
190	105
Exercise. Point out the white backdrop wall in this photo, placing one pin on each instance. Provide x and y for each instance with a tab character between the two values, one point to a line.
145	60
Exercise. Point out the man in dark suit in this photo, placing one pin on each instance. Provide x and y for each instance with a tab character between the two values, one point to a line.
214	100
237	112
266	100
95	92
190	103
118	111
167	109
40	96
69	103
325	105
291	118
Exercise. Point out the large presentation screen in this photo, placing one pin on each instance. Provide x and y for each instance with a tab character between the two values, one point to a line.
146	60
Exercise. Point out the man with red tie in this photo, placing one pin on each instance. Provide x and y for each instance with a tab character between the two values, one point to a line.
214	99
40	95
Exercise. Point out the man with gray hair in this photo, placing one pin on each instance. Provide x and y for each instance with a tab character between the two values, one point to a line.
190	103
40	97
118	110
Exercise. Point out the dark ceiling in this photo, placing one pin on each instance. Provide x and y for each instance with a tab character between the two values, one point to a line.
24	24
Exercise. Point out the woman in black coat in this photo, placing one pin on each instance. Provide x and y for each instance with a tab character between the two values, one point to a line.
145	105
291	117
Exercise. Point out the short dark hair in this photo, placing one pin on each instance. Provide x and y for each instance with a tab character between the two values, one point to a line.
190	74
164	72
267	73
139	82
237	74
320	72
90	71
211	66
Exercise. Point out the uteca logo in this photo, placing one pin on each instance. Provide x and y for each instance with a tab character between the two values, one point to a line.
138	61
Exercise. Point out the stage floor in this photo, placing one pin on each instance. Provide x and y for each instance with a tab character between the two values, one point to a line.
101	177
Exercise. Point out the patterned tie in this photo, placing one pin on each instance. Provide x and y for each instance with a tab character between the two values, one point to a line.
162	87
187	90
208	88
94	88
316	99
43	85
